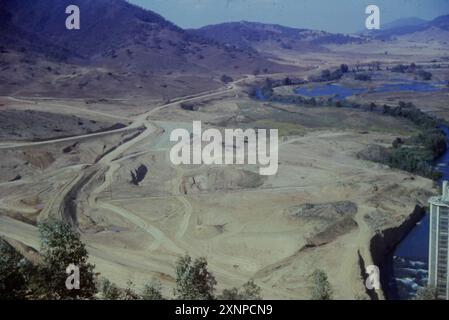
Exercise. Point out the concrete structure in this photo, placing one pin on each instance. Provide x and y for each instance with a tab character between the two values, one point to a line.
438	245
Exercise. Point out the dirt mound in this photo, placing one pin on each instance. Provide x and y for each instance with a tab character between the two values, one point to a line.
39	158
328	221
324	211
220	179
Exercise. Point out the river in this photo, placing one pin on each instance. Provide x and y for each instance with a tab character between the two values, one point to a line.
407	267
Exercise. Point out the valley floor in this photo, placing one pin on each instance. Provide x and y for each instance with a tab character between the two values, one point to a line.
320	211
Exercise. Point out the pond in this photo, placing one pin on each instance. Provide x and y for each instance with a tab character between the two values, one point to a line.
342	92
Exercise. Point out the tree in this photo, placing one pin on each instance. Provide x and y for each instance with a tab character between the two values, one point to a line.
427	293
226	79
193	280
61	246
230	294
152	291
424	75
287	81
129	293
249	291
321	288
344	68
397	143
13	273
362	77
109	290
325	75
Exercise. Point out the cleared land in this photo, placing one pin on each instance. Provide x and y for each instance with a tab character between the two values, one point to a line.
320	211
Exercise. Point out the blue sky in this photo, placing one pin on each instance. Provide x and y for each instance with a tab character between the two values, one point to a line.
330	15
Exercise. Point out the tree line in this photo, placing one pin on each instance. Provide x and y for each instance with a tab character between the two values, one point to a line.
46	277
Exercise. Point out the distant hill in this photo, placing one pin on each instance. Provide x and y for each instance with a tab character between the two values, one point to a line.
404	22
441	22
260	36
410	26
127	48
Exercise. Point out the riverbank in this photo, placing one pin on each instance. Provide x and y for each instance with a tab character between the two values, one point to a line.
401	275
385	243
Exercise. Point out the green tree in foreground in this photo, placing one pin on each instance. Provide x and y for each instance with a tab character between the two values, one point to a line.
427	293
14	270
61	246
321	288
152	291
193	280
249	291
109	291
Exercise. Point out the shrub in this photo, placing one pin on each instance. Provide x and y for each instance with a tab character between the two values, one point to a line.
424	75
226	79
129	293
399	68
362	77
152	291
249	291
13	273
321	288
193	280
109	291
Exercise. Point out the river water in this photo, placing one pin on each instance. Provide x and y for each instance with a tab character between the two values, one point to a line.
341	92
407	266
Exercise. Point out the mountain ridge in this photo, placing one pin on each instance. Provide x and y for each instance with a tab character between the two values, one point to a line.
118	41
248	34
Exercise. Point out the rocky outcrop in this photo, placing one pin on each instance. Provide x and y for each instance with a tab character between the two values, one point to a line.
384	242
330	220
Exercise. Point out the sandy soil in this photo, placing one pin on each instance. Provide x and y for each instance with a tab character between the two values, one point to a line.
317	212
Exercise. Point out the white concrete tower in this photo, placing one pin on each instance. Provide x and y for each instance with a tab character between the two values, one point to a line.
438	245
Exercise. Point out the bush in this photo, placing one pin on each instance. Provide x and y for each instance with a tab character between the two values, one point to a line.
321	288
226	79
327	75
188	106
249	291
129	293
109	291
13	273
152	291
399	68
397	143
362	77
193	280
424	75
413	160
